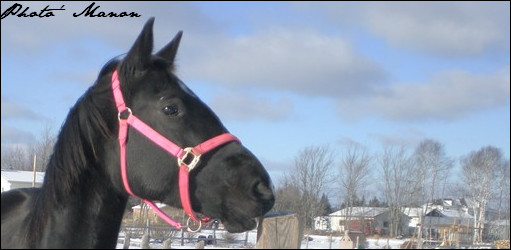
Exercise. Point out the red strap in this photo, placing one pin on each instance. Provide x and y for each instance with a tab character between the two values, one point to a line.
154	136
162	214
215	142
184	171
123	133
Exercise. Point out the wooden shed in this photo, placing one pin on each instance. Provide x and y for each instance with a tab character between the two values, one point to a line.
279	231
353	240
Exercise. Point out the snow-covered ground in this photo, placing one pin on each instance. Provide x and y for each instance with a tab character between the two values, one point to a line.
323	242
317	242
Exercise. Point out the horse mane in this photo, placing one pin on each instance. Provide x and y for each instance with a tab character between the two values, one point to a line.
89	124
75	152
83	131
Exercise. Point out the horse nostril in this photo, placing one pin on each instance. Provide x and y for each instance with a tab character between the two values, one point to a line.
262	192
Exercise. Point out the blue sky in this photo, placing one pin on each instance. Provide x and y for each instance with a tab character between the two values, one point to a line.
284	75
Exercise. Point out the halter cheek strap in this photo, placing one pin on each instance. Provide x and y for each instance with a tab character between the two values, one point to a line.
187	158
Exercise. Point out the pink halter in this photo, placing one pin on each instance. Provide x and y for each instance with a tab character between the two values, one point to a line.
185	166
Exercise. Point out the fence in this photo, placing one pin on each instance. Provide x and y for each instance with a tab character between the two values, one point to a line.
282	230
160	234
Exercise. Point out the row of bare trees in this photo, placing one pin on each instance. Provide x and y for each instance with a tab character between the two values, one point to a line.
403	178
21	157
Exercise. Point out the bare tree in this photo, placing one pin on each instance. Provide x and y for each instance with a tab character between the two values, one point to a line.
21	157
433	168
501	201
400	183
43	147
480	170
310	176
287	197
502	192
353	175
16	158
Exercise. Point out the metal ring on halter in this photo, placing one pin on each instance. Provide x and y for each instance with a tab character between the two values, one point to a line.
123	114
188	226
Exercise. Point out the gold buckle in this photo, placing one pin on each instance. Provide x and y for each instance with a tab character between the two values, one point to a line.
193	163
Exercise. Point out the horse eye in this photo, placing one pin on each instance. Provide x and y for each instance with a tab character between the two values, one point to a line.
171	110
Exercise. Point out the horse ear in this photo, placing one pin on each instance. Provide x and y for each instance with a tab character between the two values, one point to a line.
170	50
139	56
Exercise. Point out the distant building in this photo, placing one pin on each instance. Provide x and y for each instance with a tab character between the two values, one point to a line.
441	218
448	223
414	213
12	179
369	220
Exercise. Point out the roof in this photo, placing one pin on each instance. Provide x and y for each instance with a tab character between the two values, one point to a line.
448	203
451	213
361	211
413	211
22	176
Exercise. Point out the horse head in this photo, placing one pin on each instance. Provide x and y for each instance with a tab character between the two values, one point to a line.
228	183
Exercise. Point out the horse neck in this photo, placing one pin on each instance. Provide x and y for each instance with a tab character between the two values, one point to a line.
82	204
89	217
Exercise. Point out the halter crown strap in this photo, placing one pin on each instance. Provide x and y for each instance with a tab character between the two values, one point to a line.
185	166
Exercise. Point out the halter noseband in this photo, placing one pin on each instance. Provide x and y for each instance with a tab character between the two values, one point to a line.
183	156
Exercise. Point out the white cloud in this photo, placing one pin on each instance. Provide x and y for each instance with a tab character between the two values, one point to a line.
13	136
346	141
12	110
443	28
406	137
38	34
303	62
297	60
241	106
447	96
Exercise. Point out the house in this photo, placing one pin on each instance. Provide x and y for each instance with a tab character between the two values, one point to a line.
448	222
12	179
369	220
442	217
448	216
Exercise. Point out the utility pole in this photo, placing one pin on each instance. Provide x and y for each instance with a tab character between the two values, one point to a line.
33	179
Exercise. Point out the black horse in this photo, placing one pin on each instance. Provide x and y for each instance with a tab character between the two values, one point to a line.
83	197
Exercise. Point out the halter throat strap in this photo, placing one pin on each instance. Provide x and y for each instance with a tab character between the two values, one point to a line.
187	158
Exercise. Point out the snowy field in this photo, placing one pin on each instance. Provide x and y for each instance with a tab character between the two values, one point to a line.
317	242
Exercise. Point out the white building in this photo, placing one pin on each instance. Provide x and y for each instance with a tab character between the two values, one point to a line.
415	214
364	219
12	179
